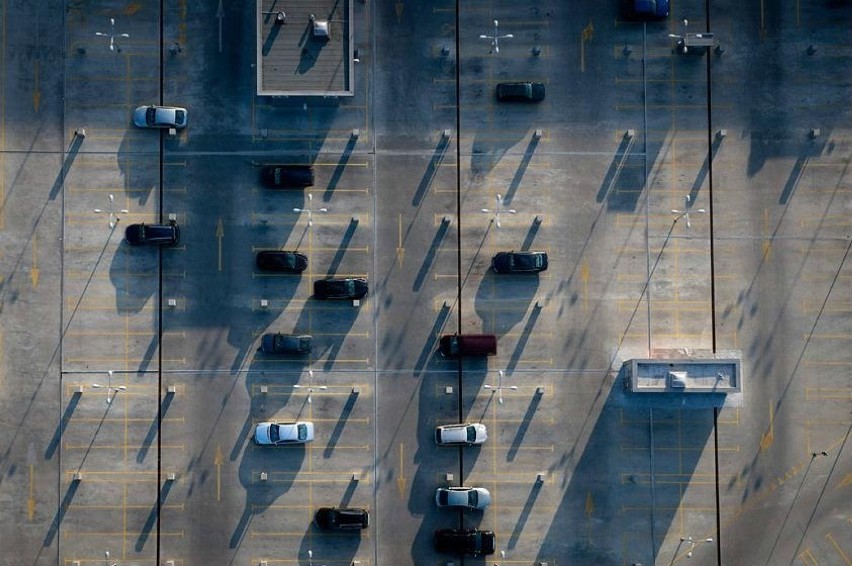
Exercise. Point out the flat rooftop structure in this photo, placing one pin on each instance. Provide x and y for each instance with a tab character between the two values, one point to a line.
685	375
307	51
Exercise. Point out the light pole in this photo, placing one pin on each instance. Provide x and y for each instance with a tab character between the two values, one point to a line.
497	210
495	37
692	544
111	35
110	388
309	210
113	218
499	387
310	385
685	212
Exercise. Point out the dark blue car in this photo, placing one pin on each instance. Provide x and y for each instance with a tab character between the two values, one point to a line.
646	9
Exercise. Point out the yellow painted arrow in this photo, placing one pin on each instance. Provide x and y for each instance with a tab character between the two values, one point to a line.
400	481
590	508
31	460
220	233
398	7
34	271
400	251
218	461
36	91
585	35
769	436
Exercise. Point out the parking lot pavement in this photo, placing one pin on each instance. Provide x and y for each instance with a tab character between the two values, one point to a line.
421	177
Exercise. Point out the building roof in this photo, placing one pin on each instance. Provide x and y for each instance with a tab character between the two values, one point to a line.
292	60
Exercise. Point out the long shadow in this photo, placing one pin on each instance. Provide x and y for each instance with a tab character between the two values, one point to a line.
282	463
502	301
531	234
60	428
793	179
338	428
615	167
73	150
347	495
60	513
636	497
523	339
431	169
339	168
705	168
341	249
430	255
529	152
270	39
152	430
525	514
428	351
525	425
152	516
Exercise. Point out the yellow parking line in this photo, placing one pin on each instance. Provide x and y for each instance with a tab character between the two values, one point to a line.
117	446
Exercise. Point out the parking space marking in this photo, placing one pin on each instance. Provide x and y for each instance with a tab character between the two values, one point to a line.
806	556
818	393
838	549
684	479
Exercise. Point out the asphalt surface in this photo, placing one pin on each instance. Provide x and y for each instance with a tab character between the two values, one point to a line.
130	379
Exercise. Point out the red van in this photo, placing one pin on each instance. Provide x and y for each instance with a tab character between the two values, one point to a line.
454	345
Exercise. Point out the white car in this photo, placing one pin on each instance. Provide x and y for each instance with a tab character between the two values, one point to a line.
461	434
274	434
470	497
160	117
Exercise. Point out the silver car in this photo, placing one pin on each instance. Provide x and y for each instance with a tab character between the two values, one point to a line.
160	117
276	434
461	434
470	497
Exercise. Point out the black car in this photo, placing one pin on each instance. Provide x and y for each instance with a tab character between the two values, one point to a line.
519	262
285	262
341	518
152	234
459	541
278	343
524	91
645	9
343	288
287	176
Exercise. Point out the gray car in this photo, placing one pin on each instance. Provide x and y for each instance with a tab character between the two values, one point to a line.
160	117
470	497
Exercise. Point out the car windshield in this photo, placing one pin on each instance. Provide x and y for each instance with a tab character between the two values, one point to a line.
179	116
151	115
274	436
473	498
471	434
303	432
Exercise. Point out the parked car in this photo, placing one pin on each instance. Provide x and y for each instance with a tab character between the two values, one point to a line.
281	261
524	91
152	234
461	434
455	345
461	541
341	518
519	262
287	176
340	288
645	9
160	117
278	343
276	434
470	497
